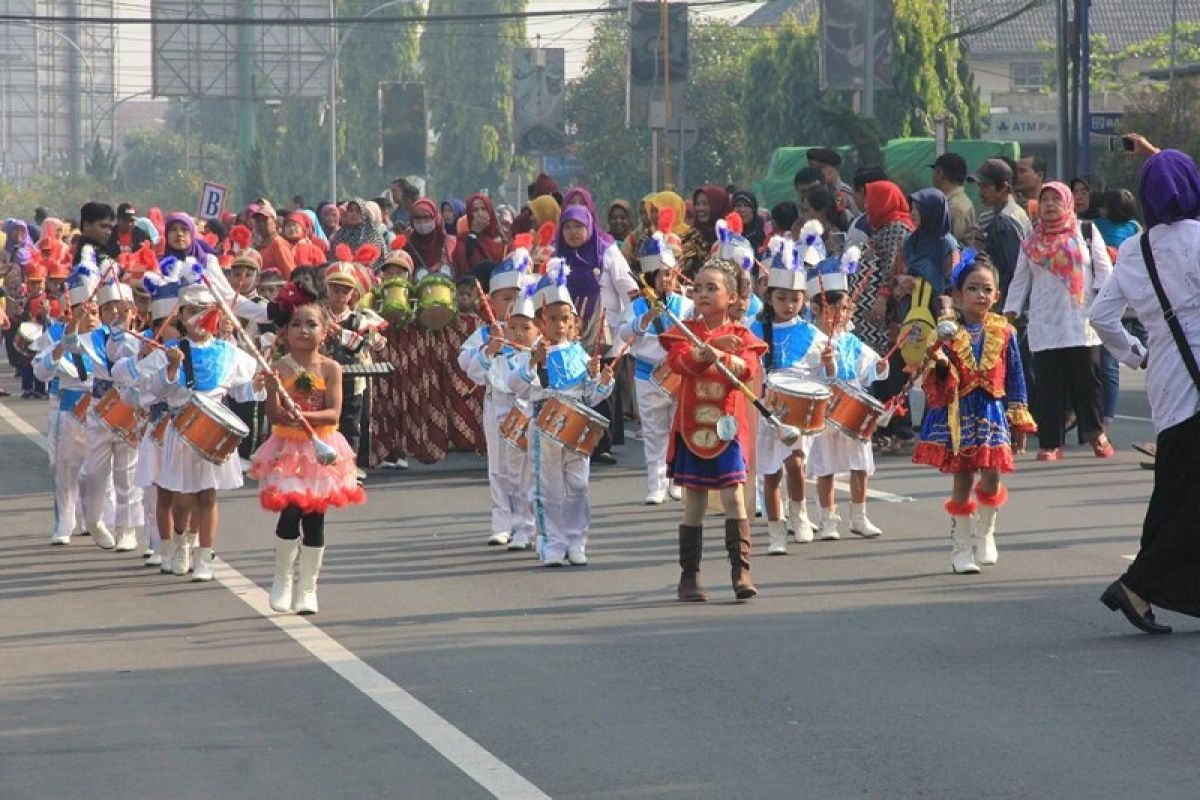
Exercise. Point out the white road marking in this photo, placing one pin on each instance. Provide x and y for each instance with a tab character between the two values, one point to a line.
499	779
886	497
1132	419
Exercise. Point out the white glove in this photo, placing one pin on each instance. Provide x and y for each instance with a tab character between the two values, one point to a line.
351	340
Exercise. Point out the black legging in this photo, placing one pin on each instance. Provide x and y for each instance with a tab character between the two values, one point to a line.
291	519
1067	377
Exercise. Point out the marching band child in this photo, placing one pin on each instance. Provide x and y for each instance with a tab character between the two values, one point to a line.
57	361
794	348
559	367
291	479
480	358
32	307
521	330
977	412
847	360
642	325
200	364
109	459
710	435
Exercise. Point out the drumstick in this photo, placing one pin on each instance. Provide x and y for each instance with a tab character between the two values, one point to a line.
903	335
326	455
485	306
947	329
600	330
146	339
787	434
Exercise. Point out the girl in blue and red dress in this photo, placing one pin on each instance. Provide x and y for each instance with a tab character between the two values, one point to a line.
977	413
710	438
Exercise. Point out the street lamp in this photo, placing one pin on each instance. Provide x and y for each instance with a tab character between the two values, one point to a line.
335	45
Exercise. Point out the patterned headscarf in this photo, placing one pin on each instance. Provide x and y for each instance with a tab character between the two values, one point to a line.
1054	246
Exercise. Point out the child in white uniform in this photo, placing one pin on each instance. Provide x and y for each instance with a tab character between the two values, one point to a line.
559	366
854	364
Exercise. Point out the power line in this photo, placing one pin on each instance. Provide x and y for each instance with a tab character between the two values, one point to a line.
309	22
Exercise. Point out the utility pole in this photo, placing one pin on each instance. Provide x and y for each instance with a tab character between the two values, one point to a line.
74	123
1084	155
1064	108
247	135
869	63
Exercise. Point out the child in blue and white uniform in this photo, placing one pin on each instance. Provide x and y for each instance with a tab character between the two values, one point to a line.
846	360
559	366
484	358
641	326
794	349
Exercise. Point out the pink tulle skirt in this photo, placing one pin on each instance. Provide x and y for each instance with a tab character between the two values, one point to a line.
288	474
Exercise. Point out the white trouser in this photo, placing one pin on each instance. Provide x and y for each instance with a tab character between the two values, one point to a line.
497	480
68	444
655	409
150	514
52	428
518	489
109	461
563	513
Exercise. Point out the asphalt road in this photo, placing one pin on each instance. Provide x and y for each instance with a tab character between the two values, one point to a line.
440	668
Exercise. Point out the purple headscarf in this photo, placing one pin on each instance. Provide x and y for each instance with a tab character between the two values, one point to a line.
197	249
1170	188
586	262
580	193
18	254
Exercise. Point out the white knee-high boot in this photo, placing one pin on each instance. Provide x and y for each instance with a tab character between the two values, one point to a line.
304	600
985	525
286	551
776	537
799	522
962	535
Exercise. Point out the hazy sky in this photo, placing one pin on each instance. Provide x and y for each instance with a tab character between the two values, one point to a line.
571	33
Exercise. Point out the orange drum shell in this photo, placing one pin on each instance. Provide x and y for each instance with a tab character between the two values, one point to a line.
513	429
570	427
121	419
211	440
851	415
670	382
805	413
160	428
81	408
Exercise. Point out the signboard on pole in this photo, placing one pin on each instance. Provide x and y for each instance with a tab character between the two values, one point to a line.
212	201
1105	123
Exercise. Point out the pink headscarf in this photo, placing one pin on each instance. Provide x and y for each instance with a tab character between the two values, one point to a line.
1055	245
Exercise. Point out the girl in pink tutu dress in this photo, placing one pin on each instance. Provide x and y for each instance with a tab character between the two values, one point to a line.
290	479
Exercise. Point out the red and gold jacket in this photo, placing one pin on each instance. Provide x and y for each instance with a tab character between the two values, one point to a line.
705	394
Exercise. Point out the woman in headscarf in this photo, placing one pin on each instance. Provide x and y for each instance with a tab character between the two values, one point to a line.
18	250
51	246
544	209
930	253
694	253
182	240
482	240
599	279
619	216
1058	274
18	254
329	216
314	231
452	211
1164	571
746	205
297	231
579	196
358	229
430	247
709	204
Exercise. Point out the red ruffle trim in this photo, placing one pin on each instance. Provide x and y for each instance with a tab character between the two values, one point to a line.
935	455
992	500
274	500
960	509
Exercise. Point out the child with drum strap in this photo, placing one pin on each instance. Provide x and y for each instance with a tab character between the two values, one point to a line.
291	481
794	348
851	367
656	386
54	362
483	357
190	477
710	436
110	458
354	339
977	413
562	381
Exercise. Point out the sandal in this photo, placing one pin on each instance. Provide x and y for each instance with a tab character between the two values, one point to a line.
1102	447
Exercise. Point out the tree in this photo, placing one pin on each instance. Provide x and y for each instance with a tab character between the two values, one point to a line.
468	76
101	163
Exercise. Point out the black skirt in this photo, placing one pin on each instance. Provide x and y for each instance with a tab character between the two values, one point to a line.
1166	572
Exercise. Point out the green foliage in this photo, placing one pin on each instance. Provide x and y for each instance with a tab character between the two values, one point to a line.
101	164
468	74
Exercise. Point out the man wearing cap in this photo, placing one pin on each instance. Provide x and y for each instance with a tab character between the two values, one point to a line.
827	161
949	175
275	251
126	237
1009	225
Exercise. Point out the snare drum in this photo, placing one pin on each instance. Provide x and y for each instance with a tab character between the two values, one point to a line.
81	407
436	306
27	334
122	420
853	412
574	426
797	402
514	427
391	301
665	379
160	429
209	428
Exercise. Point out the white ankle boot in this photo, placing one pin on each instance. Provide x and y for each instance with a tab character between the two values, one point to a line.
126	541
828	530
985	536
286	551
202	566
181	559
776	537
102	536
166	548
859	524
798	521
962	552
304	595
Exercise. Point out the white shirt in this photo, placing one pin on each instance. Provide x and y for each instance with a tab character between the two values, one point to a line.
1173	396
1055	320
616	282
